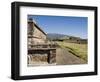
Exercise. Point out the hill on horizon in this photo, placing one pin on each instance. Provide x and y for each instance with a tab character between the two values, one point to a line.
54	36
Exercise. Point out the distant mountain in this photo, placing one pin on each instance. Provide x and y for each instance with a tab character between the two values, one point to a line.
54	36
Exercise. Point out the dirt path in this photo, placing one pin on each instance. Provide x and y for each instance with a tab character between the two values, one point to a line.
64	57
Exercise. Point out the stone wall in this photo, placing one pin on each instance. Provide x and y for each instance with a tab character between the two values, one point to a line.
39	34
39	48
42	57
36	35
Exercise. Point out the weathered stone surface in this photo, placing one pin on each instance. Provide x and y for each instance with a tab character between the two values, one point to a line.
37	40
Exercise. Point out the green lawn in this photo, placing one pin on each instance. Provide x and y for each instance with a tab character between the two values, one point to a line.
80	50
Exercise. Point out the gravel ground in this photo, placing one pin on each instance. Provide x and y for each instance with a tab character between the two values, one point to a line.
64	57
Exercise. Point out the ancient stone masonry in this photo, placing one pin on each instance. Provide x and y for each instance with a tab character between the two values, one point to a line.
40	49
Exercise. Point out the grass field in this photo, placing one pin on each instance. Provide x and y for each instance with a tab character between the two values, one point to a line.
80	50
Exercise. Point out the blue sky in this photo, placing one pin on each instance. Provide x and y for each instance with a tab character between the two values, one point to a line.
74	26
